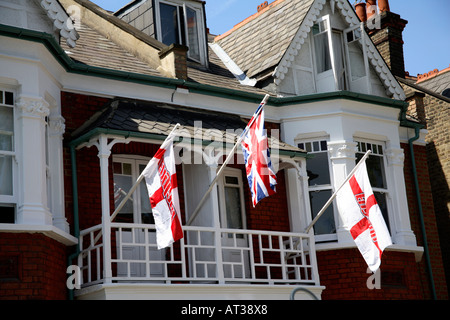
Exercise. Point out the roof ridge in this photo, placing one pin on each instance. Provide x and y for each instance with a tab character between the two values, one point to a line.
430	75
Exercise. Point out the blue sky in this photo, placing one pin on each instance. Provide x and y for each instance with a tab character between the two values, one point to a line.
427	45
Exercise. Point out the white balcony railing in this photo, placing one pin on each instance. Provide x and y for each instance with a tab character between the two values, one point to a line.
205	255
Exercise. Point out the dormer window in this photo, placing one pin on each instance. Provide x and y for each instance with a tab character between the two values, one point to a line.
181	22
340	59
329	57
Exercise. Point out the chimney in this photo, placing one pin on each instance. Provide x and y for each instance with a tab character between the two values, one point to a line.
416	108
361	11
371	6
387	35
174	60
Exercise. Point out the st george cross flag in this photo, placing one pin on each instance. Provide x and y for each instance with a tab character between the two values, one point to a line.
363	218
260	174
161	179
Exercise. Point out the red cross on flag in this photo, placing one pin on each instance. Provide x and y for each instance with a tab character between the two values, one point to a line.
161	180
363	218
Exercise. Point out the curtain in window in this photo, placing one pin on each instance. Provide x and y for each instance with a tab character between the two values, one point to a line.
322	48
6	144
169	24
339	60
192	34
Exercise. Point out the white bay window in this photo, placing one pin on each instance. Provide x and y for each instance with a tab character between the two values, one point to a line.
320	188
376	170
7	157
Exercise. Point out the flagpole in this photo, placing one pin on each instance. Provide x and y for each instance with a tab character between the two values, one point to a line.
136	184
229	157
325	207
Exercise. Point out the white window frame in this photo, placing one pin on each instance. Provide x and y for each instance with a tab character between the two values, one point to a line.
11	200
135	162
234	173
322	187
387	190
200	25
319	76
361	37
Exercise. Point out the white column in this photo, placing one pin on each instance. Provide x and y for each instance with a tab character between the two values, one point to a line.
55	139
399	215
343	158
298	196
211	162
104	152
32	206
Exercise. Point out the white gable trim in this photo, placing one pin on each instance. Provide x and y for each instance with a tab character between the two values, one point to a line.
61	20
392	86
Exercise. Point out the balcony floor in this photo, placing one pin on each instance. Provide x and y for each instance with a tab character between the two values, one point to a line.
143	291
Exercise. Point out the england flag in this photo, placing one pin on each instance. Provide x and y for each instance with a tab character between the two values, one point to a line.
260	174
161	180
363	218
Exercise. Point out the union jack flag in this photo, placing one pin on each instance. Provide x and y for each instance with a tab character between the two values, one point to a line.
260	174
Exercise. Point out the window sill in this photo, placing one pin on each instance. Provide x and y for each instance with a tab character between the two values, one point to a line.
418	251
49	231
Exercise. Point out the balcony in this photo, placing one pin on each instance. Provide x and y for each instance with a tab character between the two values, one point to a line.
208	263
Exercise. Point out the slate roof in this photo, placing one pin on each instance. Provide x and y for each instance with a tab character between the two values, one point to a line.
437	83
259	42
96	50
159	119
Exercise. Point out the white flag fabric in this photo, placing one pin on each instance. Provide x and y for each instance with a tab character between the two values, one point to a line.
161	180
363	218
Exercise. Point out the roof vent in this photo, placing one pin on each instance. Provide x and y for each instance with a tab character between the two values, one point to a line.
262	6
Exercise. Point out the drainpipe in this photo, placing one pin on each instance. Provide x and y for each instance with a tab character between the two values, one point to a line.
421	217
76	225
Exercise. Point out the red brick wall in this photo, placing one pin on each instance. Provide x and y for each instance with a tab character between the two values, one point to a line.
77	109
36	266
429	218
344	274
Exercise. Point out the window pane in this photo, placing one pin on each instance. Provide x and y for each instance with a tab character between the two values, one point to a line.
121	186
322	48
318	169
357	66
126	167
316	146
308	147
9	98
6	128
382	203
169	24
233	207
232	180
7	215
326	223
146	208
6	177
192	33
375	170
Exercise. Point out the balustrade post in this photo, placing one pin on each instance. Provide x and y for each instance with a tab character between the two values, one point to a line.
104	153
216	220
